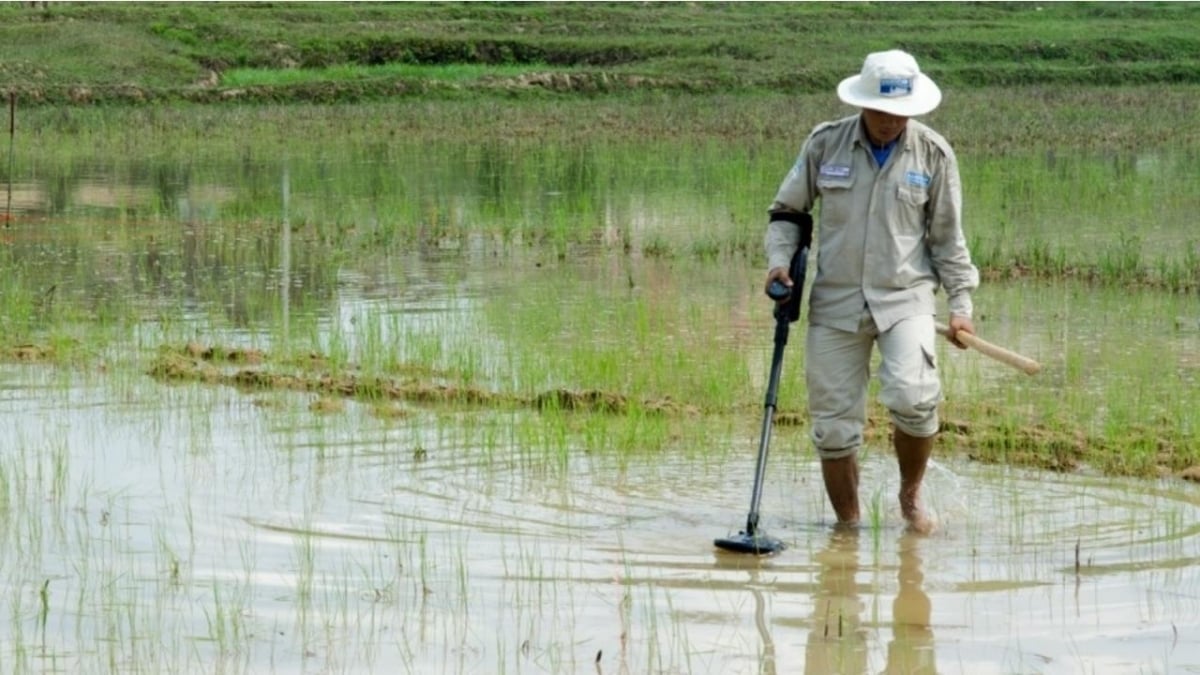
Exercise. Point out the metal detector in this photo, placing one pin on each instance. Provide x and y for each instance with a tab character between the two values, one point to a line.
787	310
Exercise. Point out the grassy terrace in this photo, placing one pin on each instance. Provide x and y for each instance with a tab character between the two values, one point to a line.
90	52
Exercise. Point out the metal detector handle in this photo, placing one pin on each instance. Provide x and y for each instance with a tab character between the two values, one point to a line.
788	300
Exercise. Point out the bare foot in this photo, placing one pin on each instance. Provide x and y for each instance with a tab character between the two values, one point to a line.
918	520
846	525
919	523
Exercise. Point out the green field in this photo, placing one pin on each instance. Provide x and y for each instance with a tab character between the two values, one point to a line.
90	52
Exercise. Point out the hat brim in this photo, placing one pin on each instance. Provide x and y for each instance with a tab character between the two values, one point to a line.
926	96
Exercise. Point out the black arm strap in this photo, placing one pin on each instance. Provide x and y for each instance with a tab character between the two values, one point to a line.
789	310
801	220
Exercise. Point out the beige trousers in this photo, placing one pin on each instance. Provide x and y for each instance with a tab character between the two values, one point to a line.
838	370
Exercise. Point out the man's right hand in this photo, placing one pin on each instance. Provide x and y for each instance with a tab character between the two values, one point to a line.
779	274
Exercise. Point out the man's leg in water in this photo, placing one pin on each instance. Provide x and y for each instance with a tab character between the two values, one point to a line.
837	367
911	390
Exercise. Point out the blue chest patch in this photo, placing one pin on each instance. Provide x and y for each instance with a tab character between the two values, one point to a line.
917	179
835	170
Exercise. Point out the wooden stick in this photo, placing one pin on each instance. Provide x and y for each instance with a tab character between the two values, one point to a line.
1022	363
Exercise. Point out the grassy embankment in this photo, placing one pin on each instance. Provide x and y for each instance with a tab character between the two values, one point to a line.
134	52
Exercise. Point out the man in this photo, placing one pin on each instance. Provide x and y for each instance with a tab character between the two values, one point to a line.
890	233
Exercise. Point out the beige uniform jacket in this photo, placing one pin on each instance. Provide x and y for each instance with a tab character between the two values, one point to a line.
887	237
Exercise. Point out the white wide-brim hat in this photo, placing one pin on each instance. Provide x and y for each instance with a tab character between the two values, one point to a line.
892	82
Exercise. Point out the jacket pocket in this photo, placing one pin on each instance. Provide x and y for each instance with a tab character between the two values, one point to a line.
912	196
837	200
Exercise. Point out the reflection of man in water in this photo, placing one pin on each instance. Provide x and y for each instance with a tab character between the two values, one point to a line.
837	642
911	650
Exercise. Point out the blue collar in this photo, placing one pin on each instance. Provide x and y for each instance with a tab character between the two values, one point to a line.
882	154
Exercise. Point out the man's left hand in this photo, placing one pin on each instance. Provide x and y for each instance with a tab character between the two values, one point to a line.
959	323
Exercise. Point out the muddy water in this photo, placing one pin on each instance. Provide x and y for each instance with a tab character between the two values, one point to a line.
187	529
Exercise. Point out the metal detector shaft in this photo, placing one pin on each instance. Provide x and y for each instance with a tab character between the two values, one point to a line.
781	337
787	310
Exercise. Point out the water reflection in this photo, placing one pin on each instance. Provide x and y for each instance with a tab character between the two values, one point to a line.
158	238
838	640
766	664
910	651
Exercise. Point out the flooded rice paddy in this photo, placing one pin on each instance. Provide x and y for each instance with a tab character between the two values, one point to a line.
191	531
544	434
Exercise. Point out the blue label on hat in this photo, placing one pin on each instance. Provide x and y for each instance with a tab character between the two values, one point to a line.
917	179
895	86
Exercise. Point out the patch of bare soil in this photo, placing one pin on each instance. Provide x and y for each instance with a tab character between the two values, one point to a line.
30	352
